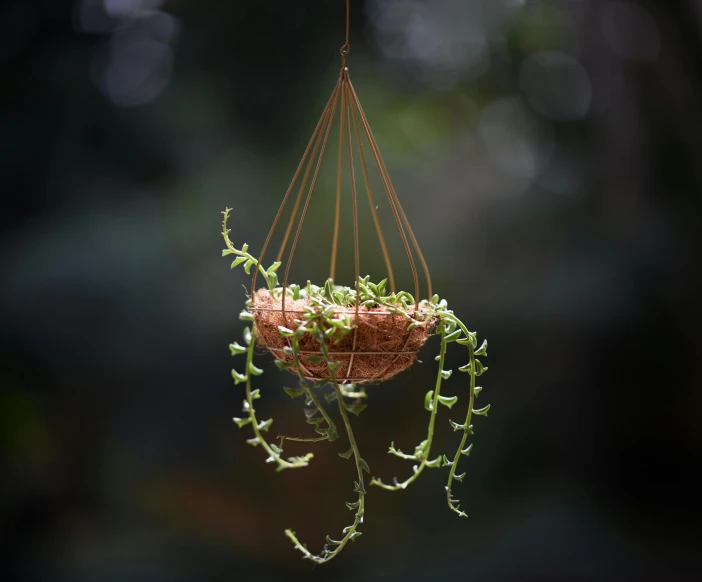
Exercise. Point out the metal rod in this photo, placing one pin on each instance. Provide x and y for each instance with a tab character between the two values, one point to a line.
371	202
418	250
312	353
337	214
388	190
356	253
290	187
307	202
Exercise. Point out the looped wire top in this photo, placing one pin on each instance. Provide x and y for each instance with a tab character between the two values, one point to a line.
344	106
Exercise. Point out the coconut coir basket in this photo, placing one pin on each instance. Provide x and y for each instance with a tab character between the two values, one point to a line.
384	346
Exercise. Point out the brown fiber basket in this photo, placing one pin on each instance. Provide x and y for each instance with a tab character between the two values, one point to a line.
383	344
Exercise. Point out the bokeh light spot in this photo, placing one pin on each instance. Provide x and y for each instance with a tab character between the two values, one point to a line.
517	142
138	73
630	31
556	86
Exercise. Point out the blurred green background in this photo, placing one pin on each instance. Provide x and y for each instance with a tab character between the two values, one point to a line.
548	155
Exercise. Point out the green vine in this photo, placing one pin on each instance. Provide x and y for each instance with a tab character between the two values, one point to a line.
423	449
259	427
320	325
243	256
323	320
451	329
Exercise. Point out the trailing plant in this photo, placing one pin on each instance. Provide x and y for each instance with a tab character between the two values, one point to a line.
328	315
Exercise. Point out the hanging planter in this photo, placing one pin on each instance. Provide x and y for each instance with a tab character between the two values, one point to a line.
336	338
380	346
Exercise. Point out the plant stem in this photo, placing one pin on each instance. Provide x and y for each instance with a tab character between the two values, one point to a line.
318	404
466	427
302	439
430	431
352	438
241	253
327	418
308	390
351	531
293	463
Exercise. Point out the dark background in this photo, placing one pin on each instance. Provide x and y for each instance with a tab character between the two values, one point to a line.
548	155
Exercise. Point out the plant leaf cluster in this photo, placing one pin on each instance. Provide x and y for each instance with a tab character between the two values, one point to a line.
321	319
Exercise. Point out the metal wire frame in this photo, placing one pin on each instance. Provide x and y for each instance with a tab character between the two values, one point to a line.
351	114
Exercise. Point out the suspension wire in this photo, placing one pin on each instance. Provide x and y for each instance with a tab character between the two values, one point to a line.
307	200
337	214
415	244
293	215
357	261
386	179
371	202
388	186
418	250
320	123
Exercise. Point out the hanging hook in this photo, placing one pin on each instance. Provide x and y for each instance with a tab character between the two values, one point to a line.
344	52
346	48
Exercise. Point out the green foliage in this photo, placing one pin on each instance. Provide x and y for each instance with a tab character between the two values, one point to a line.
451	330
322	320
243	256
